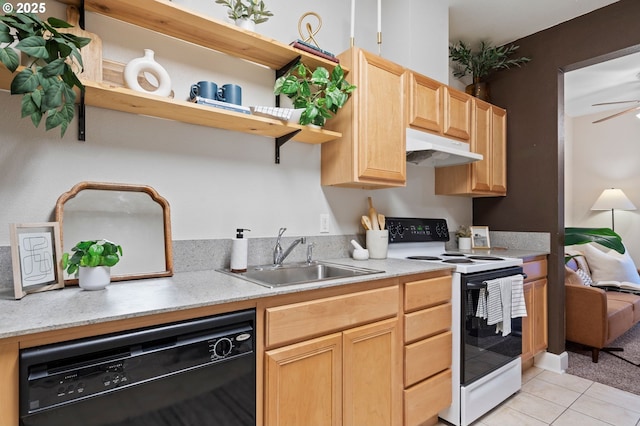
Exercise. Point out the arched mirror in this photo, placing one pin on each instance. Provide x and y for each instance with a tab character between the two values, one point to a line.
133	216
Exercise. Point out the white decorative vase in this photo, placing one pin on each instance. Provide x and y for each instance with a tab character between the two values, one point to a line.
147	64
94	278
245	24
464	243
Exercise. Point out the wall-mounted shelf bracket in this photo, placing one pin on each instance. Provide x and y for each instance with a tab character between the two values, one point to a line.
282	71
282	140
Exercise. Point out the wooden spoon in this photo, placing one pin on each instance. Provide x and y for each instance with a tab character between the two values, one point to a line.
373	216
381	220
366	223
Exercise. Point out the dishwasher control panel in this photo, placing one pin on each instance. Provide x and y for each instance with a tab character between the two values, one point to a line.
48	380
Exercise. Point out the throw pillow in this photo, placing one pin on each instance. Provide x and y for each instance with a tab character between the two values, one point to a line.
583	270
586	278
609	265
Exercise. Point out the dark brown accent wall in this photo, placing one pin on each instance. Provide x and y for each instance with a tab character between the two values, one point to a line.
533	96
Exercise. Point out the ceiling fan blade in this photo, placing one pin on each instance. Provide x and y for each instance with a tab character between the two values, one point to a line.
617	102
635	108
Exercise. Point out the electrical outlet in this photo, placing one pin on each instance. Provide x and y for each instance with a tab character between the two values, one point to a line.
324	223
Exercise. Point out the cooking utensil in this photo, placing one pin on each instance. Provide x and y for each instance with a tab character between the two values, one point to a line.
366	223
381	220
373	216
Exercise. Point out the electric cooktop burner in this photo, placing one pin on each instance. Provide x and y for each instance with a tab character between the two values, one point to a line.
452	254
463	260
485	258
423	258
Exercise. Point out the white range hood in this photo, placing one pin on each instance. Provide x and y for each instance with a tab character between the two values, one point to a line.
427	149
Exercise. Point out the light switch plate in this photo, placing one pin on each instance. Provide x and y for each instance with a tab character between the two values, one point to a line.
324	223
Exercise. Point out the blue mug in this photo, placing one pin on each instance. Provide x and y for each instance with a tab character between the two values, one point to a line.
231	93
204	89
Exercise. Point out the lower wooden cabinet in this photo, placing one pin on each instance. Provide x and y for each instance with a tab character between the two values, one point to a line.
534	325
349	378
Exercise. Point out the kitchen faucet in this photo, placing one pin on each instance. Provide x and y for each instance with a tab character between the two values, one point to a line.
278	254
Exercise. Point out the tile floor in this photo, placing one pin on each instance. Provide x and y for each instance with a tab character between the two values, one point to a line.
548	398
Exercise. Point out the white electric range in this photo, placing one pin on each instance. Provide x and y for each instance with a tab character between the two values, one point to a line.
486	366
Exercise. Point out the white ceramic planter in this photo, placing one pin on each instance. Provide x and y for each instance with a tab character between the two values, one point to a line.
94	278
245	24
464	243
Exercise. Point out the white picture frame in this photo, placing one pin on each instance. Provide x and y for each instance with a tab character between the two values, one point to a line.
480	237
35	257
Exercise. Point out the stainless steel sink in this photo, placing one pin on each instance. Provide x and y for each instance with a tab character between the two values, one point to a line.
299	273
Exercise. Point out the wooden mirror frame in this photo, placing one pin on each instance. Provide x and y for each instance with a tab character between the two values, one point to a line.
59	214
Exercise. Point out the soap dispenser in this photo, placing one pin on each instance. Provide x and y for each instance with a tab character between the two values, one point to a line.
239	252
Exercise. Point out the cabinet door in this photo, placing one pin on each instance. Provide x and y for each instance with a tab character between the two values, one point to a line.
372	375
498	150
527	324
380	128
481	171
425	103
457	114
304	383
9	383
540	340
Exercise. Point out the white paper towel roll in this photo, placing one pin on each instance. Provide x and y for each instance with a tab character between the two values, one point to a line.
239	255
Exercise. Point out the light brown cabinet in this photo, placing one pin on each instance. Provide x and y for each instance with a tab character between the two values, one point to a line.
371	152
349	377
457	114
428	348
425	103
487	177
534	325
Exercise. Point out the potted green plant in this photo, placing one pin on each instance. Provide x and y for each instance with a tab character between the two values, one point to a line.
47	81
246	13
320	93
481	63
92	260
463	233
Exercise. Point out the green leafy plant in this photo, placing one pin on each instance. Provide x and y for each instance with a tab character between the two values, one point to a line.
463	232
602	236
320	93
91	253
47	81
484	61
251	9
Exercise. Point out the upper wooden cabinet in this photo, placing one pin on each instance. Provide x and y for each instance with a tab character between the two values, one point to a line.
371	152
425	103
487	177
457	114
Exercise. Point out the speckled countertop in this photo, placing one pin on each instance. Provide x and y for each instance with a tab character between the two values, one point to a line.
72	306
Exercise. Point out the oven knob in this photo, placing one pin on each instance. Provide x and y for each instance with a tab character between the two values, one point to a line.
222	347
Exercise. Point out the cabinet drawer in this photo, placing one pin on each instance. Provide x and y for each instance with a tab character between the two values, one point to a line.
425	293
313	318
426	399
426	358
427	322
535	269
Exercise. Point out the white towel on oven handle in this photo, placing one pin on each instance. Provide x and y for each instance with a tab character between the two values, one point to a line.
518	306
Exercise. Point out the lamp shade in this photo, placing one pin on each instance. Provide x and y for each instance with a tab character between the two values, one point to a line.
613	198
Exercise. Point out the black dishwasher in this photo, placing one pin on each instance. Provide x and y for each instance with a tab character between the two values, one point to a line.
191	373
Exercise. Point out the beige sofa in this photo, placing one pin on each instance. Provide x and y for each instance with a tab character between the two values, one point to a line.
595	317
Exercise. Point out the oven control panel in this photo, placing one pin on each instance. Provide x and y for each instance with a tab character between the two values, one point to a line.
416	230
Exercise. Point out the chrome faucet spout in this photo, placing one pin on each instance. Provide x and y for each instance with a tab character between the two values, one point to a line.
279	255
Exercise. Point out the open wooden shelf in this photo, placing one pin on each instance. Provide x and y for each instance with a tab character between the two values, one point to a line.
176	21
122	99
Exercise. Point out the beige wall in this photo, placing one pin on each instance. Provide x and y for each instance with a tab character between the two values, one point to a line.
217	180
600	156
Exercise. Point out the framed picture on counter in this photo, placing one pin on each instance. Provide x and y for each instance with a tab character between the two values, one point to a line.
35	257
480	237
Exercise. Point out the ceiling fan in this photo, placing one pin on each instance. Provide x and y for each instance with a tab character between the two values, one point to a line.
633	108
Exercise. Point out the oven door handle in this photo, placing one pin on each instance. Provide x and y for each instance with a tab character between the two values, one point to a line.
482	284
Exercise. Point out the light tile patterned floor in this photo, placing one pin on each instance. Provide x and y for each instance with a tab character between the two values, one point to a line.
548	398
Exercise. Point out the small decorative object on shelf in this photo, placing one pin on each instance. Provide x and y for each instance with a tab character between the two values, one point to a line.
48	80
482	63
92	260
320	93
147	64
480	237
246	13
307	42
220	104
464	237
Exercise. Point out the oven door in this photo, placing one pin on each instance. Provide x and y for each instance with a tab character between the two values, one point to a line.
483	348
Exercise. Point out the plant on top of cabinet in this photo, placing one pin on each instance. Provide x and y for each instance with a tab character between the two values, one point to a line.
320	93
92	259
251	10
48	80
481	63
